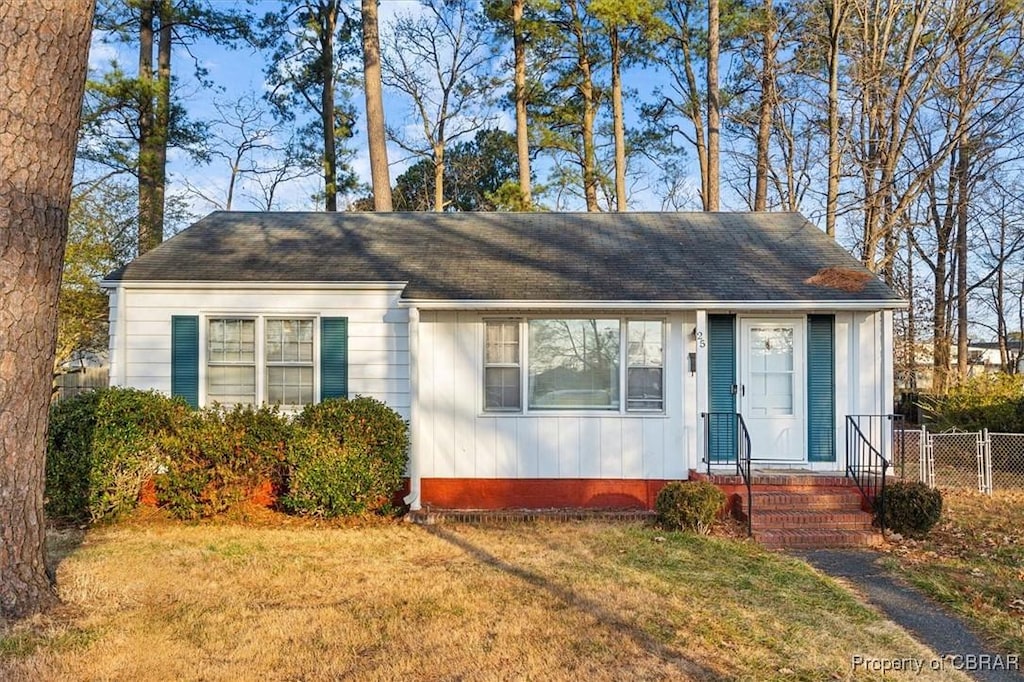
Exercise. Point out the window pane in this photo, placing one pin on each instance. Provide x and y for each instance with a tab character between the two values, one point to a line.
289	340
290	386
502	343
645	344
231	341
501	388
574	364
645	388
230	384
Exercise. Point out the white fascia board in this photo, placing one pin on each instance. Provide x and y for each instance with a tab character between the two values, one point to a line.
739	306
266	286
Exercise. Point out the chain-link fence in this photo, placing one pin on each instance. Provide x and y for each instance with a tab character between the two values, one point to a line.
974	460
1007	460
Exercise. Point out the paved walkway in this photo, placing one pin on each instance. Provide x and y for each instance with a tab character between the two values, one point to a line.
930	623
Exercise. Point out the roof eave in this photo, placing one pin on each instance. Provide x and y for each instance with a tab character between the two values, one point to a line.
752	305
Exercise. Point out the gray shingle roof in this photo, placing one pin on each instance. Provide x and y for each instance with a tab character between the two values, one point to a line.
518	256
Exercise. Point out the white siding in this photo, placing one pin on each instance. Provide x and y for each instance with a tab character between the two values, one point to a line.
378	332
462	440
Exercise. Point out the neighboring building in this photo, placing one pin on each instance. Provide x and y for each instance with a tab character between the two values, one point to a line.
542	359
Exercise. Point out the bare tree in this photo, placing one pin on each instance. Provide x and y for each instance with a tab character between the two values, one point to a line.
44	49
440	61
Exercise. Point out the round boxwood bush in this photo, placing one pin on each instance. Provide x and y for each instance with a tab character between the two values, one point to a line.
101	447
689	505
911	508
348	457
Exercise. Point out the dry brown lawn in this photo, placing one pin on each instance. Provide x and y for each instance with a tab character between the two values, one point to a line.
973	561
387	601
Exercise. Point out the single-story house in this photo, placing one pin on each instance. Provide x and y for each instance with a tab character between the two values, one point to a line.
542	359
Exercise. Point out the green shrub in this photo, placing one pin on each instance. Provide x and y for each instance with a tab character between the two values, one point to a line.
348	457
987	401
689	505
339	457
219	456
102	445
911	509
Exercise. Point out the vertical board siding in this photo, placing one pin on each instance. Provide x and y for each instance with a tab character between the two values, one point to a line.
721	386
821	388
185	358
333	357
468	442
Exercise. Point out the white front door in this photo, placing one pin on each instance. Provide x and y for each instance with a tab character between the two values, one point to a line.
771	395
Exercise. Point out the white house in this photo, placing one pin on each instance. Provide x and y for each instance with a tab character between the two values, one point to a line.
542	359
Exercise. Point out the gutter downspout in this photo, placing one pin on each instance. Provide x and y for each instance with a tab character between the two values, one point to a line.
415	432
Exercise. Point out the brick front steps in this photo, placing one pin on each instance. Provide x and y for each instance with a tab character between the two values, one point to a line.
800	510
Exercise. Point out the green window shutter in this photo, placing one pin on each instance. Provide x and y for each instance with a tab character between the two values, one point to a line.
721	380
185	358
333	357
821	389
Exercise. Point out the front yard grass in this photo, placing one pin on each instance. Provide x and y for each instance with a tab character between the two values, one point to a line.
973	561
166	601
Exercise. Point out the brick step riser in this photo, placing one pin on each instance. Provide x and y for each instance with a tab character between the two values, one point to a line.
819	538
789	504
811	522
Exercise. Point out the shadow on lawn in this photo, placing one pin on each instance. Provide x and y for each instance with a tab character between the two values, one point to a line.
575	600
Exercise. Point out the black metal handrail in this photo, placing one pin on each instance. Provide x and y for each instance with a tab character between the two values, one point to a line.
727	441
865	463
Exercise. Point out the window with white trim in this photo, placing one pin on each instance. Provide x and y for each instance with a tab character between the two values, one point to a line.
289	362
574	364
645	366
502	388
231	361
282	349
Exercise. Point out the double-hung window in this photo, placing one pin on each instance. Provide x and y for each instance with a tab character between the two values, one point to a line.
231	359
501	366
260	360
574	364
289	362
645	366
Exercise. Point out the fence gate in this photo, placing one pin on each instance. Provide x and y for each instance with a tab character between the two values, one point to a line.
956	459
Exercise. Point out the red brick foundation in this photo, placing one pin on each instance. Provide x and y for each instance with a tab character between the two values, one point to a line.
539	493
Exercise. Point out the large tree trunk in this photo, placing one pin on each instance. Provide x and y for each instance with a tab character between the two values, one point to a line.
161	120
328	24
766	108
836	15
439	176
43	48
379	175
586	87
522	125
618	123
714	109
963	185
150	234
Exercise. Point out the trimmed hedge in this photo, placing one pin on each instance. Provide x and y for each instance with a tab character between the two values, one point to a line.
339	457
690	505
349	458
219	457
101	447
